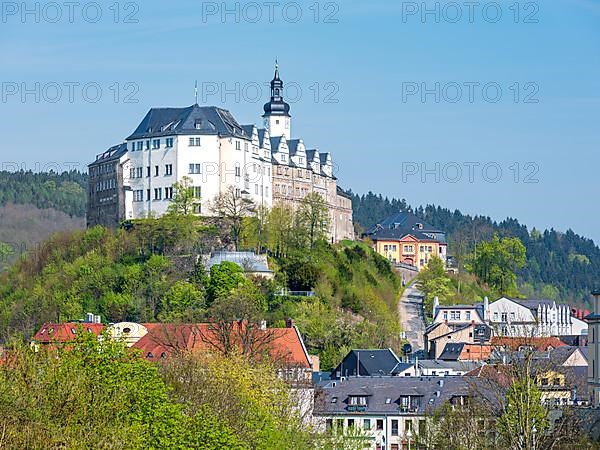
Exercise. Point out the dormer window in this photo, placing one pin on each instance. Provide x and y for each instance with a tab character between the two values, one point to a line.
357	403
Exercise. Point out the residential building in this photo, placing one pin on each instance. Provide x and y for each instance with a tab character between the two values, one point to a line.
208	146
458	328
517	317
391	411
404	238
594	351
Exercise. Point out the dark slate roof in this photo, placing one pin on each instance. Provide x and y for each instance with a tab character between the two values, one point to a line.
401	367
343	193
198	120
371	362
275	141
452	352
293	145
325	158
261	136
433	391
112	154
401	224
557	356
248	129
533	303
312	155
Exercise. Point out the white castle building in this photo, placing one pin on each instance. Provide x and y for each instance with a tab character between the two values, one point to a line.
207	145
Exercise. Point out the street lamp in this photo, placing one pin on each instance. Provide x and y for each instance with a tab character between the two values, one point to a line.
533	431
409	436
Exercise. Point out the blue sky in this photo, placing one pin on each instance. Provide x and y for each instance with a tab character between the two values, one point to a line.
369	57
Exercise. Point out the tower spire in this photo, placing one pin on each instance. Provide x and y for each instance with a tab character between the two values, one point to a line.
196	92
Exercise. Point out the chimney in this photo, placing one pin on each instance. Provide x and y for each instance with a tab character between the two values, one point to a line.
486	307
290	323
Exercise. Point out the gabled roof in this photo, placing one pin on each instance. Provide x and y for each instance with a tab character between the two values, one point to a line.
560	355
197	120
65	332
163	340
369	363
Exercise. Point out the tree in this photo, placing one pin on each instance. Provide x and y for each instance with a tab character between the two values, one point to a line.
495	262
224	278
232	207
314	216
183	302
236	324
248	397
281	229
184	197
525	419
433	281
95	393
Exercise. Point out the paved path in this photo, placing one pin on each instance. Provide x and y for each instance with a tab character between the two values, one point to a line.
410	309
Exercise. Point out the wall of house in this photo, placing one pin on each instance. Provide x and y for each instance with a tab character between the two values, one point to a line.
410	251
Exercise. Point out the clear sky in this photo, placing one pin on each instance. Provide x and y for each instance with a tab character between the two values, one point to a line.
429	106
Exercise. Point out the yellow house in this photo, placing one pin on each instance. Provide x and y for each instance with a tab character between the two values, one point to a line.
405	239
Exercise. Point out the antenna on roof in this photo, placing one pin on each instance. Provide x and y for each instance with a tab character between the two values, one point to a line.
196	92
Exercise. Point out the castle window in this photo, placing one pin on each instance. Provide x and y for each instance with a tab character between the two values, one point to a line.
169	142
169	169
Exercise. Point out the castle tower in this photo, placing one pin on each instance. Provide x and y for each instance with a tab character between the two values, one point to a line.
277	117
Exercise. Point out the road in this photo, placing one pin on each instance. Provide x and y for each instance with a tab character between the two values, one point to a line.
410	310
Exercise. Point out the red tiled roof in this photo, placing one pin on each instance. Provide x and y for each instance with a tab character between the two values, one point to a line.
541	344
64	332
162	340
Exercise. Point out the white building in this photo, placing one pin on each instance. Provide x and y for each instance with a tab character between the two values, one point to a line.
207	145
529	318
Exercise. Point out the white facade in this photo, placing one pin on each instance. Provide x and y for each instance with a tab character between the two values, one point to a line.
530	318
212	163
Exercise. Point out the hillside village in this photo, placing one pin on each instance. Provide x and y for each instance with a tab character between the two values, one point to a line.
384	338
